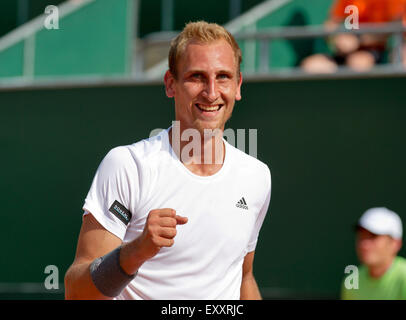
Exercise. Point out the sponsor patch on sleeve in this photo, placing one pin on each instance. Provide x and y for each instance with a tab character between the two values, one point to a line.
120	212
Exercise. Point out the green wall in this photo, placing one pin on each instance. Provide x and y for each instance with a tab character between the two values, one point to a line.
93	40
97	39
150	12
16	12
335	149
288	53
12	61
210	10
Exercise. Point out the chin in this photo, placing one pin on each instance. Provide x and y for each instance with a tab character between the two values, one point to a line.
209	126
368	260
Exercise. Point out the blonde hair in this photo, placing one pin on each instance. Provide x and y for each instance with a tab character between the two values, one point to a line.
204	32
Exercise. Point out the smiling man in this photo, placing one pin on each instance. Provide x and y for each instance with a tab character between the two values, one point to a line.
166	221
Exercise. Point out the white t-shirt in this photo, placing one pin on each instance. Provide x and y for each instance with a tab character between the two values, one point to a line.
225	213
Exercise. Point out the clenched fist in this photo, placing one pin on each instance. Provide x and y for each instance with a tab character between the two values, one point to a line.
159	231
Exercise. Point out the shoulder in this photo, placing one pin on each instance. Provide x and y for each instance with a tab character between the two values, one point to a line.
401	261
136	153
401	266
117	156
150	148
398	276
254	167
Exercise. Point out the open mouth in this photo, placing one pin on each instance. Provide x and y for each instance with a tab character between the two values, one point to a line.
208	108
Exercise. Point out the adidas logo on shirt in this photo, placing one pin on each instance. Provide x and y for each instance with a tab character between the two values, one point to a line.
242	204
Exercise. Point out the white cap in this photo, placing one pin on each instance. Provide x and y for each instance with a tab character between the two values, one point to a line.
382	221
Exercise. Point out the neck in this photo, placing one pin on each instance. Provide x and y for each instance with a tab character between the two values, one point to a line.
203	155
378	271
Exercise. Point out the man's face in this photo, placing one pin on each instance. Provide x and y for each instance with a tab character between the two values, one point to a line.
206	87
375	250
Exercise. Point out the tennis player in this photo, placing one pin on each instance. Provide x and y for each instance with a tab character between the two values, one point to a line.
171	217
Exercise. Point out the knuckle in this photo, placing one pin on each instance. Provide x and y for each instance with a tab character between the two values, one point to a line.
153	221
155	240
151	217
152	213
174	232
151	229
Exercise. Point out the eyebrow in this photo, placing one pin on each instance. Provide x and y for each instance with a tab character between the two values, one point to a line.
225	71
192	71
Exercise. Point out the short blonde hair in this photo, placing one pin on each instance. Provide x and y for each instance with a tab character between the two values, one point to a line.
204	32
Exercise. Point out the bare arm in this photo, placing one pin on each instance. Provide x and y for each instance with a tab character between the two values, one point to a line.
95	241
249	288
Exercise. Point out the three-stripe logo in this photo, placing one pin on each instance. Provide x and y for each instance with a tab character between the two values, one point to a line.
242	204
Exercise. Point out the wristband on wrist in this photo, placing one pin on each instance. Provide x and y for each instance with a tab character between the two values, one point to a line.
107	274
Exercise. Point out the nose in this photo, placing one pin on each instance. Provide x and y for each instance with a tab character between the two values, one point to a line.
211	92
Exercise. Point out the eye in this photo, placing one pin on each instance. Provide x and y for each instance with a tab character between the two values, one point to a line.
196	75
223	76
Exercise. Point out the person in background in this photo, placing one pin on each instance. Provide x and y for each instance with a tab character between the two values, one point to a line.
382	275
359	53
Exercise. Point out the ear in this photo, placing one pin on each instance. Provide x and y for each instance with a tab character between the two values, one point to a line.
238	93
169	81
398	245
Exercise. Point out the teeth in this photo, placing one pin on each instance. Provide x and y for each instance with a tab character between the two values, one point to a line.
208	108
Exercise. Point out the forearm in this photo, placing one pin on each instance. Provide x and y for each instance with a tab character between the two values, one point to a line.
104	266
79	284
80	281
249	289
132	257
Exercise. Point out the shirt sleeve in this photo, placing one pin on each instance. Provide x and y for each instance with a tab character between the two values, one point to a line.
261	216
114	191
